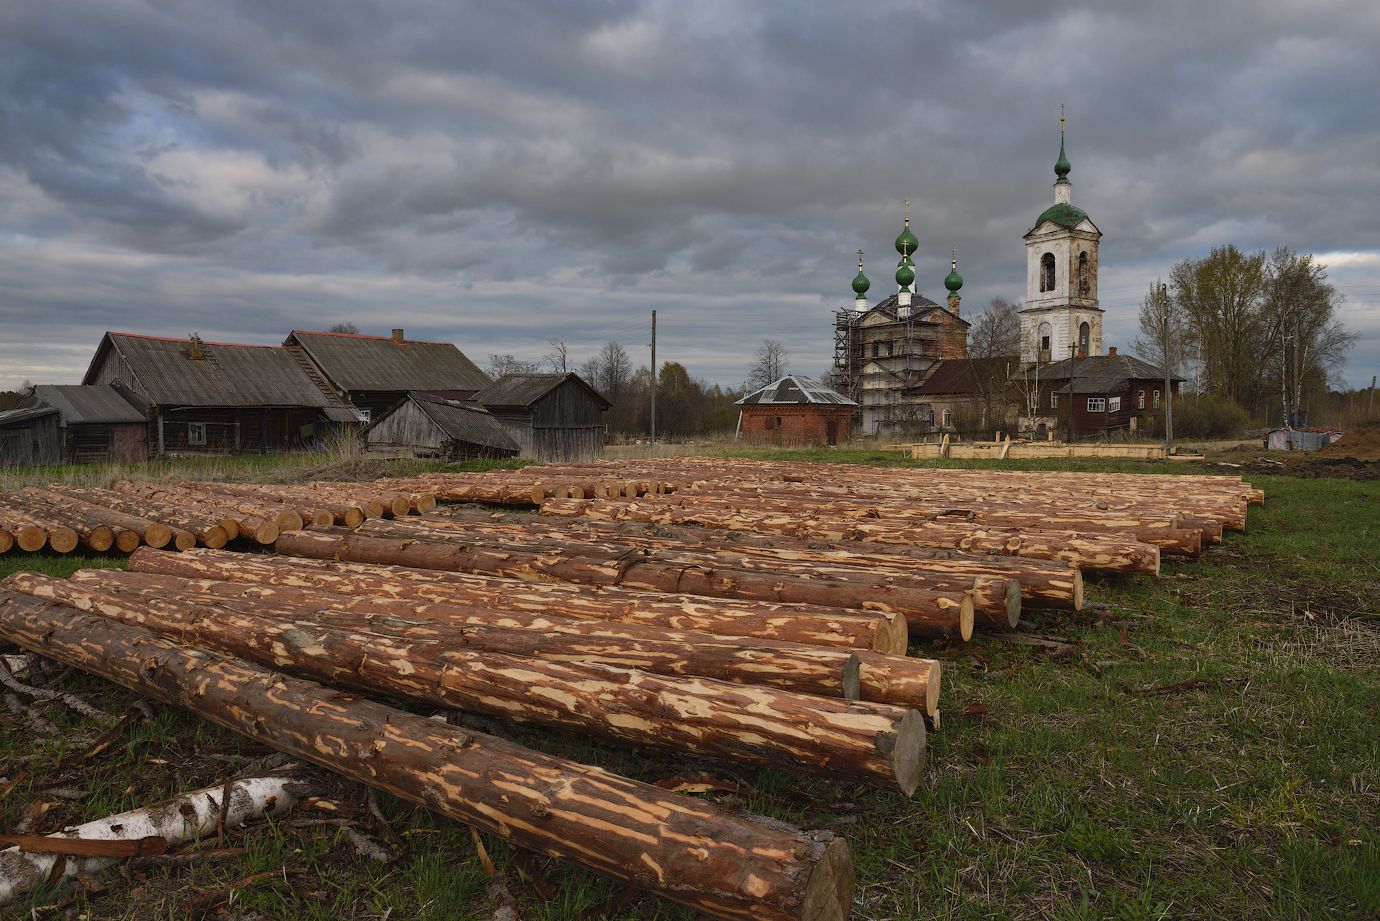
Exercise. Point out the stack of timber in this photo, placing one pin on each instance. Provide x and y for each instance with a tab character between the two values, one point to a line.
268	672
531	486
64	518
930	610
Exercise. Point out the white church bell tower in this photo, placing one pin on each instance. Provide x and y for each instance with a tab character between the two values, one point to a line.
1061	318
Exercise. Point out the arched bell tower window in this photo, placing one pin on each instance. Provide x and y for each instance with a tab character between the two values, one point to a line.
1047	272
1046	333
1084	275
1084	334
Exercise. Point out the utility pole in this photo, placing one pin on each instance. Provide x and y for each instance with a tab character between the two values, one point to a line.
654	377
1168	375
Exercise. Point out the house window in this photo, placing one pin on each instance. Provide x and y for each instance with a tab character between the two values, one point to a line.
1157	399
1053	400
948	418
876	349
1114	404
1047	272
1097	405
367	413
1140	399
888	349
196	433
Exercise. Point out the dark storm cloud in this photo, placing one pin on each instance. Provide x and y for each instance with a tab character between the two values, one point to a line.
499	174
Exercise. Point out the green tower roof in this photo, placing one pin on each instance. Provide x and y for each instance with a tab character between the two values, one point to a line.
906	242
1062	165
1063	214
905	273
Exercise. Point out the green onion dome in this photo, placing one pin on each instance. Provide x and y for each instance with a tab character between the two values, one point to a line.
860	282
906	243
1062	165
905	273
953	281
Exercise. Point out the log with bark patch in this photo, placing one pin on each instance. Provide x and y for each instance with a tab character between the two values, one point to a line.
252	522
94	535
727	867
830	672
312	502
928	614
880	744
808	624
1101	553
996	599
146	531
35	531
206	530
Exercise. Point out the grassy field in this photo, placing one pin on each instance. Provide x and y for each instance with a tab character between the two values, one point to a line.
1204	744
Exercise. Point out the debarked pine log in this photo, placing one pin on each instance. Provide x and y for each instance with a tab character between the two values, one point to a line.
927	614
824	671
1101	553
996	599
881	678
205	529
95	536
179	820
808	624
691	852
879	744
153	533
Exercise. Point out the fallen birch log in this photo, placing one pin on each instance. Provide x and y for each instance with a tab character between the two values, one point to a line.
179	820
728	867
810	625
880	744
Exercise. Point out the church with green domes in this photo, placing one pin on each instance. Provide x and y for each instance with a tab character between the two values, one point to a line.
883	349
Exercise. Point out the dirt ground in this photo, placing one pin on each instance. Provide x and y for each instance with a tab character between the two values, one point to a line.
1354	456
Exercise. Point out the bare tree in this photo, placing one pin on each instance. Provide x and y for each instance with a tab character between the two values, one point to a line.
1166	336
996	332
344	327
610	372
500	365
1306	342
559	356
771	365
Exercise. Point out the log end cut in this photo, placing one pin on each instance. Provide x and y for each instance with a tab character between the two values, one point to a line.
966	612
828	892
908	751
30	538
893	634
852	678
158	535
182	540
1077	589
63	539
1013	603
100	538
126	541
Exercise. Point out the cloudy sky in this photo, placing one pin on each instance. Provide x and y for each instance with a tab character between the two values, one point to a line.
498	174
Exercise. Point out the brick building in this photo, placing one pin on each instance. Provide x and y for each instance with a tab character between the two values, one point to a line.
798	411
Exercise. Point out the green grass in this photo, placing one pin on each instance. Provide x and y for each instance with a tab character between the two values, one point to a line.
1086	790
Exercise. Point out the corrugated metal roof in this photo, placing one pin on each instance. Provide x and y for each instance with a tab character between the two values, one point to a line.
228	374
467	421
81	403
1101	373
523	390
795	388
354	362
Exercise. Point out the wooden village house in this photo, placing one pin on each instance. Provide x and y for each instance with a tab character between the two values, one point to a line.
796	410
220	398
421	425
552	417
373	373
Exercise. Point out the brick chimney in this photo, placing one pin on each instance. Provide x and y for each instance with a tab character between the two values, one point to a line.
398	335
1111	351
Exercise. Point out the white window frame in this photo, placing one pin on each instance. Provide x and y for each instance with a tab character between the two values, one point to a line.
1140	399
1053	400
1114	404
1157	399
948	418
1097	405
367	413
196	434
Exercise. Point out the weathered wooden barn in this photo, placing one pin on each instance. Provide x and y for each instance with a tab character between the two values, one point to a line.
221	398
552	417
422	425
71	424
374	372
796	410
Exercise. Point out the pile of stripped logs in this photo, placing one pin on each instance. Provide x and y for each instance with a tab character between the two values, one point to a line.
737	611
65	518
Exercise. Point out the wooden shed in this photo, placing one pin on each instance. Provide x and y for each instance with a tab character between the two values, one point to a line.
552	417
422	425
72	424
796	410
